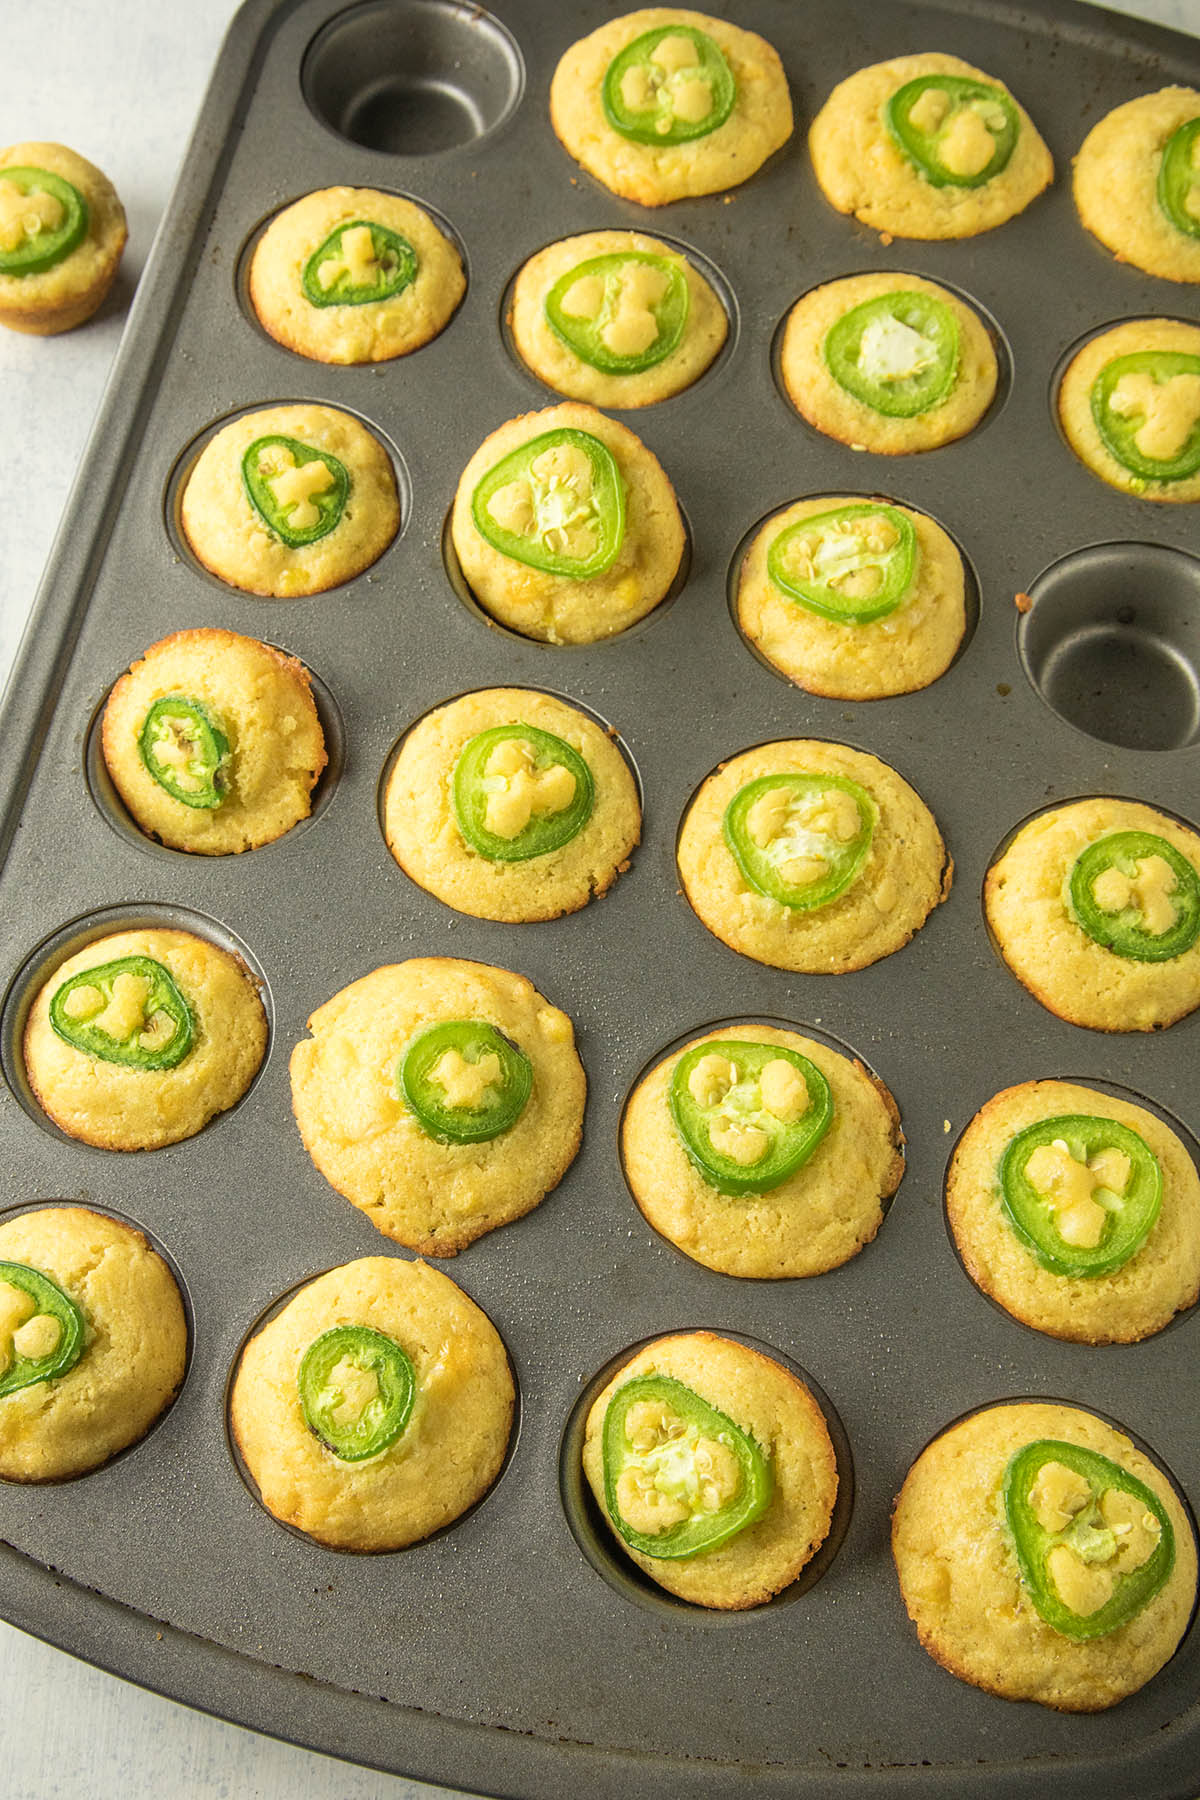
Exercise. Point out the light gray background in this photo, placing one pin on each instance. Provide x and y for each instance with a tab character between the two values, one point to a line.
122	83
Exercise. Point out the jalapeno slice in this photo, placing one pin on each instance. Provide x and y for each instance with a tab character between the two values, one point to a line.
128	1012
1147	411
1179	178
357	1388
1081	1193
1136	895
1093	1543
897	353
620	313
680	1477
520	792
297	491
556	503
42	219
800	839
956	132
748	1115
669	86
464	1082
184	750
42	1330
359	263
853	565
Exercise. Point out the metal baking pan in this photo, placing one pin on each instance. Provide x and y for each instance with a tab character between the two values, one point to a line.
506	1655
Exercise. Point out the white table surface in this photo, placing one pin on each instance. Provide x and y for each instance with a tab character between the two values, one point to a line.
122	82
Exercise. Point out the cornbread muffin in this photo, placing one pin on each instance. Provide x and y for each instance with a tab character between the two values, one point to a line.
812	1220
353	275
290	500
615	318
484	809
454	1381
1118	394
1036	924
444	1098
213	742
572	540
1121	1306
944	189
117	1373
868	602
846	861
1119	181
860	371
62	231
170	1032
743	1438
679	115
962	1583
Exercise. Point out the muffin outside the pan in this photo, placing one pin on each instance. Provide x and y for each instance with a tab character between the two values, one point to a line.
853	597
139	1039
443	1098
353	275
62	231
1024	1537
509	804
888	363
375	1407
811	856
290	500
769	1161
1095	907
713	1466
927	147
566	528
664	104
1129	404
615	318
213	742
93	1341
1146	213
1077	1212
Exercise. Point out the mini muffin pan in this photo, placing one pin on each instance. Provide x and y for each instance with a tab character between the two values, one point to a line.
505	1655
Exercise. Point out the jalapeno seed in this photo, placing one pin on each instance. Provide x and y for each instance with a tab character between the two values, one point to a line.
298	491
556	504
42	219
520	792
748	1115
1082	1193
1147	410
184	749
464	1082
129	1011
1179	178
1135	894
853	565
357	1388
955	131
897	353
358	264
800	839
42	1330
622	313
668	86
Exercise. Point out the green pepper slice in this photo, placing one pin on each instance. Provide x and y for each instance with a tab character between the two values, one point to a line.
184	750
464	1082
680	1477
1136	895
898	353
748	1115
297	491
669	86
853	565
42	1330
42	219
1138	420
128	1011
556	503
357	1388
1179	178
800	839
520	792
1093	1543
1081	1193
957	132
359	263
621	313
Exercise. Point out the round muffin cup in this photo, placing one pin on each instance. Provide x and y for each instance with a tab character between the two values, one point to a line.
813	1221
135	1347
1134	1301
67	294
654	174
961	1583
1075	402
862	170
449	1452
1116	184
